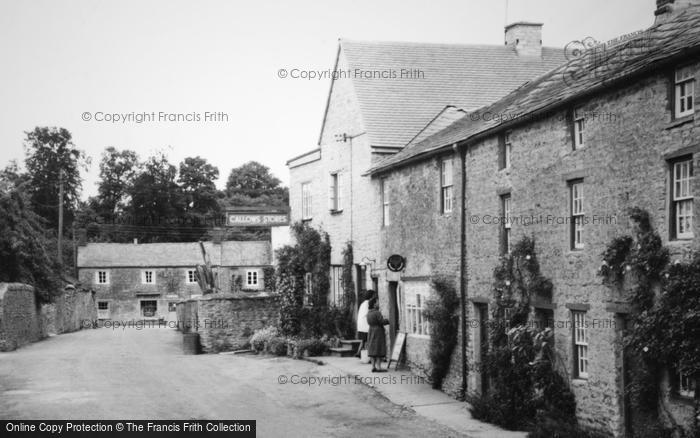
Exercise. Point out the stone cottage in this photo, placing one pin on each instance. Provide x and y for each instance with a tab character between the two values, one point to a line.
561	159
145	281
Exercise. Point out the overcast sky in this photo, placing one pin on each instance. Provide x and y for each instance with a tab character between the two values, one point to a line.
60	58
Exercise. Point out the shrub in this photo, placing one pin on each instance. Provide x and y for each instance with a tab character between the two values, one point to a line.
311	347
261	337
277	345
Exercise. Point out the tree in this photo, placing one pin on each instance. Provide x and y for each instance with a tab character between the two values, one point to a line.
117	172
254	180
24	246
196	179
52	156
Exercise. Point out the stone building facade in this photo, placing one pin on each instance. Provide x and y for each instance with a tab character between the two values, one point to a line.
591	139
145	281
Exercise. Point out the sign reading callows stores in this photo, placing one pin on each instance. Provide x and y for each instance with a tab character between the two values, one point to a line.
256	218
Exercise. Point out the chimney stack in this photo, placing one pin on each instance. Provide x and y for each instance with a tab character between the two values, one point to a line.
668	9
525	38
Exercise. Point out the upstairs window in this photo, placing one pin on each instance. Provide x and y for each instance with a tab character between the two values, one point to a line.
682	199
505	149
102	277
579	128
684	102
335	200
385	202
306	212
446	185
191	276
577	214
148	277
251	278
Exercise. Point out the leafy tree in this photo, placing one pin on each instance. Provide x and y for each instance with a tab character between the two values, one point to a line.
25	249
50	152
253	180
117	172
196	179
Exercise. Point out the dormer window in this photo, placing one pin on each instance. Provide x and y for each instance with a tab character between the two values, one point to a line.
684	90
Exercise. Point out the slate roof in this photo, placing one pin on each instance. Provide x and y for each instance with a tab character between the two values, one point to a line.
596	70
228	253
394	110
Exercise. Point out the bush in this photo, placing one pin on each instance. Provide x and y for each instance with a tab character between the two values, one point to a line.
262	337
311	347
441	311
277	346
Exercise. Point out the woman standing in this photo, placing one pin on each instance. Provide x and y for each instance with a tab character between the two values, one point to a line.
376	338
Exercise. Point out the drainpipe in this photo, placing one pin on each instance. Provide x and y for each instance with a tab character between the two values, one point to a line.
463	281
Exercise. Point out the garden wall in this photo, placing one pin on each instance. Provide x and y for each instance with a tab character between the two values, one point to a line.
72	311
225	322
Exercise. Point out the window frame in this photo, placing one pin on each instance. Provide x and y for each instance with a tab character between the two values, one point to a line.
577	216
252	274
506	225
507	149
416	323
384	194
98	277
194	276
686	199
145	277
579	128
308	288
306	201
687	390
683	92
447	185
580	344
335	200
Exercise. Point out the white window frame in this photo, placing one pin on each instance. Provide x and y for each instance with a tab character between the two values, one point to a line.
580	332
685	388
306	201
252	278
446	185
335	298
191	276
579	128
308	288
148	276
506	205
385	202
335	199
507	149
416	323
577	214
103	313
98	277
684	91
682	187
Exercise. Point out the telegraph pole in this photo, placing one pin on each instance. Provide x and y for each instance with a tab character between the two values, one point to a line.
60	217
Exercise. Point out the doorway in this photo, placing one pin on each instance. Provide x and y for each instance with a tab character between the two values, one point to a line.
149	308
393	311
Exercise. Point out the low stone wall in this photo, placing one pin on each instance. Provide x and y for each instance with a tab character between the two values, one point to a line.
69	312
23	321
20	318
224	321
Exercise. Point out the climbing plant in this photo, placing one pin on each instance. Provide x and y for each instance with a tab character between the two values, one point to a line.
525	390
664	323
307	261
441	311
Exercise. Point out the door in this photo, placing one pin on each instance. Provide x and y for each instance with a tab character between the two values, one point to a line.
149	308
393	311
172	311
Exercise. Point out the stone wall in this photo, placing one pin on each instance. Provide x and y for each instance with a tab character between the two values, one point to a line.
23	321
69	312
20	317
225	322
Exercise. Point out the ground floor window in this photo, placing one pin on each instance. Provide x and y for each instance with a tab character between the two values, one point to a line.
172	306
686	385
580	344
416	323
336	296
149	308
103	309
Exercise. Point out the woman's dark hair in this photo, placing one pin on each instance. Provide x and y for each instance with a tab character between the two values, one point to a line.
369	293
372	302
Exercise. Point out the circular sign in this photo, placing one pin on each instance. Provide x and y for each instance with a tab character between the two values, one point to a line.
396	263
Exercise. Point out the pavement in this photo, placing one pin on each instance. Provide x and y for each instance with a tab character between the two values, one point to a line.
142	374
413	392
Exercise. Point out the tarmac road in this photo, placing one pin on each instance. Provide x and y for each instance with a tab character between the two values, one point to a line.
142	374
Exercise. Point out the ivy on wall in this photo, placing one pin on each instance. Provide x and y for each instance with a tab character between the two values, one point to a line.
525	392
664	324
441	311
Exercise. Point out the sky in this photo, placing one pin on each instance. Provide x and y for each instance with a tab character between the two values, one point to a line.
63	62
